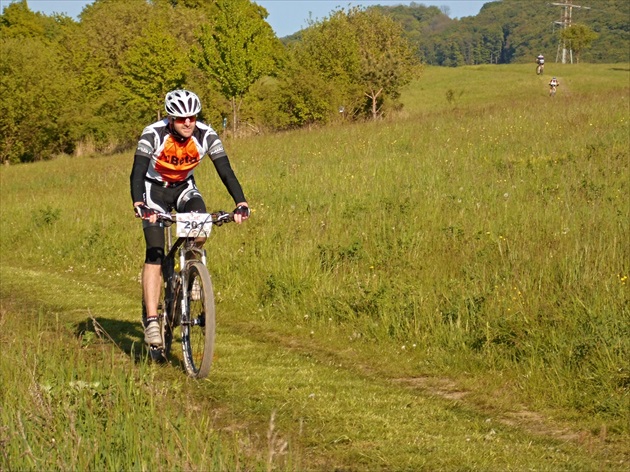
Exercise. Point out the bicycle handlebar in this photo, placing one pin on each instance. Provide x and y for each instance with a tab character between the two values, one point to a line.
216	218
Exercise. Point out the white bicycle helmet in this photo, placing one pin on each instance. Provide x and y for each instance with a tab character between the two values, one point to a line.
182	103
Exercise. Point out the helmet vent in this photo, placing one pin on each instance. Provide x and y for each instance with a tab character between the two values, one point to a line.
182	103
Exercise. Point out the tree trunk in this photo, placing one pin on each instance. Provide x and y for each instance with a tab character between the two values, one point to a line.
233	117
374	96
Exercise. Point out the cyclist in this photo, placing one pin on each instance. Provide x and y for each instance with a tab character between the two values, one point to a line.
162	179
540	60
553	83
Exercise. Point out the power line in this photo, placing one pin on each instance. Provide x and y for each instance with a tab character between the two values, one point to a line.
565	22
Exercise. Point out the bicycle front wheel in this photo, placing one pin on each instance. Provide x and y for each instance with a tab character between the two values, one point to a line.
198	324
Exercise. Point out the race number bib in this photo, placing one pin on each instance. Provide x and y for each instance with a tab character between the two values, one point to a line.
193	225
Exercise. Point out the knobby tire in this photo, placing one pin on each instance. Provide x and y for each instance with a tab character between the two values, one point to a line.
198	332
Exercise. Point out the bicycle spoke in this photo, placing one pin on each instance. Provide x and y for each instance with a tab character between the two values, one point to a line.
198	325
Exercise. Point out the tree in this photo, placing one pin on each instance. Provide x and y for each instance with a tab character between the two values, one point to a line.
37	98
361	57
97	50
306	96
237	50
578	37
17	21
319	80
153	65
386	60
37	90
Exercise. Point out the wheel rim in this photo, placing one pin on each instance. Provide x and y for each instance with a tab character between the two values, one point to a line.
198	325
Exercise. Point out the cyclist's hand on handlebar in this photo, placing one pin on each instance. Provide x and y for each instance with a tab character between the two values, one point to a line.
241	213
144	212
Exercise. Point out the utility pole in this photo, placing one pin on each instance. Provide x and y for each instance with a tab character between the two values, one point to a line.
565	22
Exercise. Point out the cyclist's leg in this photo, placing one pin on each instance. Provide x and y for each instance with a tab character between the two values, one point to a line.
152	271
190	199
159	199
152	282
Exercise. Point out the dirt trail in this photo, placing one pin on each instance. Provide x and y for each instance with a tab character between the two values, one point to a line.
309	408
612	454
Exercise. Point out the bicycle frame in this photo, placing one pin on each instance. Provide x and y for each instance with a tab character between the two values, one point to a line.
187	300
170	278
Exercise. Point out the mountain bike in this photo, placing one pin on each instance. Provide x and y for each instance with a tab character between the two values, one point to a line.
540	68
552	90
187	298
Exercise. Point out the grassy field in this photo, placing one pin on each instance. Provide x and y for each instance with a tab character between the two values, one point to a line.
444	289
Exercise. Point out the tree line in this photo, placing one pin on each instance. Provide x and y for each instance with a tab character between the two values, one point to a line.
516	31
91	85
88	86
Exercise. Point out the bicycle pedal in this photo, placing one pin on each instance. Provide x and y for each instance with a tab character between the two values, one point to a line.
157	354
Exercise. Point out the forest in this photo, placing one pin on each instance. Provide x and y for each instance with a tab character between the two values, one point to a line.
513	31
89	86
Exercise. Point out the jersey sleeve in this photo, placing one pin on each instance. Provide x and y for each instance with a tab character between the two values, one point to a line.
136	179
142	159
222	165
214	146
146	143
233	186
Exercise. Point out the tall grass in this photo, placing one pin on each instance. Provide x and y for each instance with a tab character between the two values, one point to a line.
494	235
480	235
76	403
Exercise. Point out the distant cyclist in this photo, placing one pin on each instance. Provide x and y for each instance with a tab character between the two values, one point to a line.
162	179
540	61
553	85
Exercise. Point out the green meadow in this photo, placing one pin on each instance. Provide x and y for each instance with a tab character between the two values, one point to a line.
445	289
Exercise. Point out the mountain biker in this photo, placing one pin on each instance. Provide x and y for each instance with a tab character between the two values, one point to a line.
162	179
553	83
540	60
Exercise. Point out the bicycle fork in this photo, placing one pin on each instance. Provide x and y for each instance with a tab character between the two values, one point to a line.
187	256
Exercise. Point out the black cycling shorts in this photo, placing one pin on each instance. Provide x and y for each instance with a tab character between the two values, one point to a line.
181	198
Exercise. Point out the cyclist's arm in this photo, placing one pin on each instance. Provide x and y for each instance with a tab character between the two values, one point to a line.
221	162
136	179
141	161
222	165
224	169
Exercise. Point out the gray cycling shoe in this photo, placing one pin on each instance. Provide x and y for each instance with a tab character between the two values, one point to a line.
152	334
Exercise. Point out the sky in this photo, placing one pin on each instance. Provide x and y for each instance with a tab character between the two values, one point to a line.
285	16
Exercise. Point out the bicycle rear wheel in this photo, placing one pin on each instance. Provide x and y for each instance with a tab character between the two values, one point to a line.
198	325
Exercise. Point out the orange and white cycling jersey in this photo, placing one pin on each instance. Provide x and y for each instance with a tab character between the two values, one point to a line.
173	160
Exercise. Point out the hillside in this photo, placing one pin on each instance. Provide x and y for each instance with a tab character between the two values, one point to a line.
80	87
513	31
441	290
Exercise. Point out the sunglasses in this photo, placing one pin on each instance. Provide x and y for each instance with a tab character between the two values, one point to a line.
183	120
